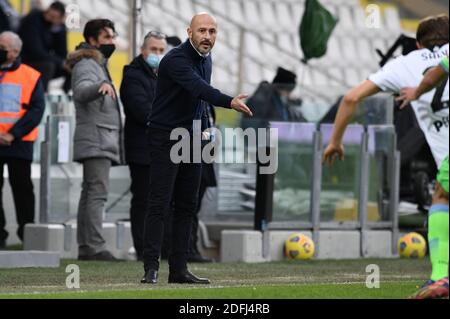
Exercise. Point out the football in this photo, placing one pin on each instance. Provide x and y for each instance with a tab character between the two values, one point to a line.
299	247
412	245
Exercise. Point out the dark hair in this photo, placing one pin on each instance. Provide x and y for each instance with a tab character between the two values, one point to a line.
174	41
94	27
433	31
58	6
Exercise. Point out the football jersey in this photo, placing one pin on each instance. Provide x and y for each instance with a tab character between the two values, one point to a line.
444	63
431	109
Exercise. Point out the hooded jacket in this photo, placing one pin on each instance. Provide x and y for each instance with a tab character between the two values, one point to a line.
98	132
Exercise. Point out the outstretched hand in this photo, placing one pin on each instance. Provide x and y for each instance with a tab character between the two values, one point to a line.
407	95
332	152
239	105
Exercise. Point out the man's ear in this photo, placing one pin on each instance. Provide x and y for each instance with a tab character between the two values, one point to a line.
189	32
92	42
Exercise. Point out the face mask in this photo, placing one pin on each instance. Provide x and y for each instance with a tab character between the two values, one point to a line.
107	50
153	60
3	56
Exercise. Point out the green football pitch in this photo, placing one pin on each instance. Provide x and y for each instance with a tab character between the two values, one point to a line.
284	280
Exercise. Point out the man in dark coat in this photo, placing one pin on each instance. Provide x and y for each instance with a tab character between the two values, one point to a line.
182	90
22	107
9	19
271	102
44	36
137	93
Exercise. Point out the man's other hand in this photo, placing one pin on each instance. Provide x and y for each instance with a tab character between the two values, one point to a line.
6	139
239	105
331	152
107	89
407	95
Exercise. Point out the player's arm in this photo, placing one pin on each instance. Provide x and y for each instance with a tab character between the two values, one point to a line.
432	79
346	111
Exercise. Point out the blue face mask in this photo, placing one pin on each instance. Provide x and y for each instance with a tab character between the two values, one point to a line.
153	60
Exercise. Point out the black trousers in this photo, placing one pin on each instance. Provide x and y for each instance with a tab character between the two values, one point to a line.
23	194
194	232
140	190
192	250
170	183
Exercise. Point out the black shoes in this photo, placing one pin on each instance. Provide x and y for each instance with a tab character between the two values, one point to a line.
101	256
2	244
186	277
197	258
150	277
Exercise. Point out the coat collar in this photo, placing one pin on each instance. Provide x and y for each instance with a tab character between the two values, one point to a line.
139	63
85	51
193	53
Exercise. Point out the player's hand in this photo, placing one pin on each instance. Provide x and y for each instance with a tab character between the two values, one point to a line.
407	95
332	152
238	105
107	89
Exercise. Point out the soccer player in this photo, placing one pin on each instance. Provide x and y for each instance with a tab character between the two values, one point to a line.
432	113
437	286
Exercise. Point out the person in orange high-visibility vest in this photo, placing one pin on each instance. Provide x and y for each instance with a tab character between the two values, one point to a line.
22	106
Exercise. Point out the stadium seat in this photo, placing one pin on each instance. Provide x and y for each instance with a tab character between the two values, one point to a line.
253	45
251	14
285	17
235	11
365	51
185	7
348	47
392	20
268	17
253	72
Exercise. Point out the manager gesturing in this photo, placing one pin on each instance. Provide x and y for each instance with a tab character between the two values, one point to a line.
182	90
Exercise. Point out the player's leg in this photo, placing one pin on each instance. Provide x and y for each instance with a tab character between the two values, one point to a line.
438	234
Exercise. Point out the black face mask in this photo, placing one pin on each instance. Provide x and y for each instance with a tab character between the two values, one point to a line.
107	50
3	56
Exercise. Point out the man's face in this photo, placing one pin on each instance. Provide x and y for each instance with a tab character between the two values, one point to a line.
154	46
54	17
106	36
7	44
203	33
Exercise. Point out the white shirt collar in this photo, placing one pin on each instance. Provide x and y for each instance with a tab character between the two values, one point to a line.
202	55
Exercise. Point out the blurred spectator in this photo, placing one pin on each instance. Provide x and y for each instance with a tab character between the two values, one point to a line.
9	19
137	93
98	142
173	42
44	37
272	102
22	106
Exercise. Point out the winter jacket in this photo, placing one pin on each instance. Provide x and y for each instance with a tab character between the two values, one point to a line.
98	132
137	93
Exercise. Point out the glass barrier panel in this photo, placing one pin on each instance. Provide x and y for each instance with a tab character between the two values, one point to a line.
382	148
339	195
293	180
